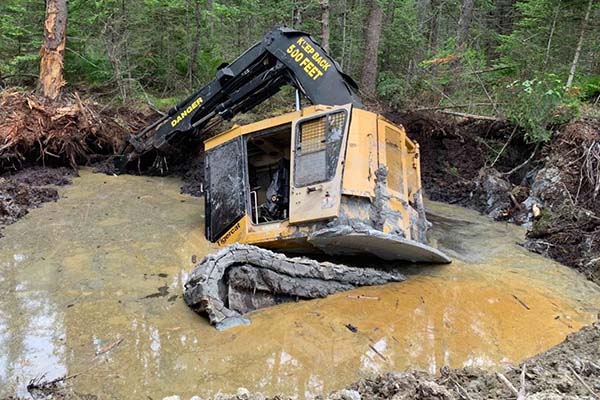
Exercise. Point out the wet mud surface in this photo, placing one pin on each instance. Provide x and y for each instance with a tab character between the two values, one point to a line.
91	295
567	371
29	188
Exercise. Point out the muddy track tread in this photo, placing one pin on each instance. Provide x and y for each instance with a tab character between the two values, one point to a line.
254	268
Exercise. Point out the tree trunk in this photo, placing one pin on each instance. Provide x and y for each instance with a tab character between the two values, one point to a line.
372	37
53	49
432	31
503	16
325	25
550	36
579	46
423	10
297	15
464	23
195	45
344	22
388	20
211	19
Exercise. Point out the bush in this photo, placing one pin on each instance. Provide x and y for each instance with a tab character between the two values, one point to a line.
537	104
392	89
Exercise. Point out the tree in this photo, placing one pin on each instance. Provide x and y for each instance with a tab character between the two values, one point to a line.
464	23
325	25
370	65
579	45
296	15
53	49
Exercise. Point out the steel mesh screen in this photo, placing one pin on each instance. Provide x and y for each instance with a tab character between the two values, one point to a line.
318	143
312	136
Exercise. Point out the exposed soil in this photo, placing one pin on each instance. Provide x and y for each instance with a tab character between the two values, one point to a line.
454	151
29	188
568	228
555	190
66	132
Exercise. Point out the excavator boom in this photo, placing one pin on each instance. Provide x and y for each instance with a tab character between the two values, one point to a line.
283	57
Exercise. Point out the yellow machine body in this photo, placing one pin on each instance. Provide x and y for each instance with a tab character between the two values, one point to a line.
354	185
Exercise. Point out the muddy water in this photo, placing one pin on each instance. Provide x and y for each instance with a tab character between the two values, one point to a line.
91	286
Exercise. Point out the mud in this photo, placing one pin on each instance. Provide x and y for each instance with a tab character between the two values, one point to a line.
29	188
556	194
567	189
73	304
453	153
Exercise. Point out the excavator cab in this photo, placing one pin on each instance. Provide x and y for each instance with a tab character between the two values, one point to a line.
331	179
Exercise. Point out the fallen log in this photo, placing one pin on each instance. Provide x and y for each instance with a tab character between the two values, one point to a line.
472	116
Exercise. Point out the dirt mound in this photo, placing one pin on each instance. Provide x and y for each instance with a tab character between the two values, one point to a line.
568	190
554	191
28	189
66	132
454	151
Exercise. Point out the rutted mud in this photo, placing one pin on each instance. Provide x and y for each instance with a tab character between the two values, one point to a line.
78	276
29	188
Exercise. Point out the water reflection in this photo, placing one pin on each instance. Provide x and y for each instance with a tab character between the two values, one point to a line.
106	265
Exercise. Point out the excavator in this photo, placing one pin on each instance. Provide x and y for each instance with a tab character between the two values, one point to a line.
329	179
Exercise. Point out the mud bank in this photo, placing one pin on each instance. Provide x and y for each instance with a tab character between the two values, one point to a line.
29	188
554	190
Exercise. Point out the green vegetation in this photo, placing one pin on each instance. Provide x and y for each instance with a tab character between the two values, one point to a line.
505	58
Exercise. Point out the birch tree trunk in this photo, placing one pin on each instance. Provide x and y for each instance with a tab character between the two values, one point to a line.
372	37
325	25
53	49
579	46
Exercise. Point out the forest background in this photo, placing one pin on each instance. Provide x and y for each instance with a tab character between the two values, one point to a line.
533	62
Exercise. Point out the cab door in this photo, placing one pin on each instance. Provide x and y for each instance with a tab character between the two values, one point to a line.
317	160
225	183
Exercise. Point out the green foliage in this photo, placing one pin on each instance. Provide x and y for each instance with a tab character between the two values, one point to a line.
536	104
590	87
164	49
392	89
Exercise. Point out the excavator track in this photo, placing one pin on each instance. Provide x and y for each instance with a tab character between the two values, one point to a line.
241	278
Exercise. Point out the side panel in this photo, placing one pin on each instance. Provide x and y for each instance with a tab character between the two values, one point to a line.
225	199
361	155
393	154
318	153
236	233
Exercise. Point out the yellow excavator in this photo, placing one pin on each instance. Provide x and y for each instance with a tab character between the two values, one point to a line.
328	179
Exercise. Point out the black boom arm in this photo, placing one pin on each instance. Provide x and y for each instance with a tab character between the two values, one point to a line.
284	56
